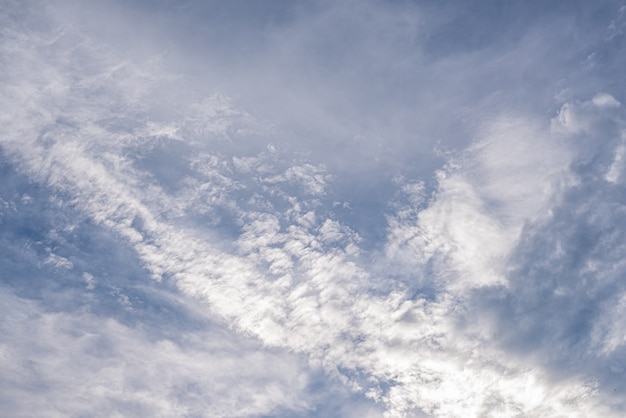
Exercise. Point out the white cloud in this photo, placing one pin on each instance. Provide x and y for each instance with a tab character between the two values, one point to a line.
58	261
60	364
605	100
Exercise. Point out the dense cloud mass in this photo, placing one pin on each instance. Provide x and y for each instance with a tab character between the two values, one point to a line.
312	209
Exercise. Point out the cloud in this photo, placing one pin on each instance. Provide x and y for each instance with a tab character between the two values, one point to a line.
530	251
566	267
59	364
492	285
105	341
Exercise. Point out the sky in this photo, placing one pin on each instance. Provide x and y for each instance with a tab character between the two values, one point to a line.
296	209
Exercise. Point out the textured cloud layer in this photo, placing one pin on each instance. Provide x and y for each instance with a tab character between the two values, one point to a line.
490	286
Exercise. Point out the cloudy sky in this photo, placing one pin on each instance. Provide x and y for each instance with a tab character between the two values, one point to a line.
312	208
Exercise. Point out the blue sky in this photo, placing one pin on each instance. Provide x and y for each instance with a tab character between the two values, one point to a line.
312	209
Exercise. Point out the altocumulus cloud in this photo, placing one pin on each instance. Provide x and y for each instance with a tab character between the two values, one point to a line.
312	209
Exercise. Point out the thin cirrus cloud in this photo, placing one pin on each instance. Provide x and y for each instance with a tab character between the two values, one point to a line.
316	209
